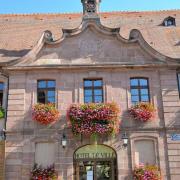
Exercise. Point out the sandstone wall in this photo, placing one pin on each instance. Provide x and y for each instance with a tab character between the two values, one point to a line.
2	159
171	103
23	133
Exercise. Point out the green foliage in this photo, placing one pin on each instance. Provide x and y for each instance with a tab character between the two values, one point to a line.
2	112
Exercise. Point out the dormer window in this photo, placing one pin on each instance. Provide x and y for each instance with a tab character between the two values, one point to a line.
169	21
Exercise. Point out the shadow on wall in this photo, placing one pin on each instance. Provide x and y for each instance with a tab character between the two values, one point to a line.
13	53
172	113
22	142
22	138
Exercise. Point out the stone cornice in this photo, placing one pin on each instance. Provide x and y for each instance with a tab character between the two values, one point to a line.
127	129
92	66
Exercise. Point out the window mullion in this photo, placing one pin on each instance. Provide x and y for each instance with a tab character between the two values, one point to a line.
139	91
46	98
93	99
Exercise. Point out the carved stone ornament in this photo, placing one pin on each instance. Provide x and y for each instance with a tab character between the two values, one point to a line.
90	6
48	36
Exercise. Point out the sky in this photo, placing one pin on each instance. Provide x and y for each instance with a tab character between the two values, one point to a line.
68	6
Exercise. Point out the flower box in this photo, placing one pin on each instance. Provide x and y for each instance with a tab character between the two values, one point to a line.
147	172
40	173
45	113
94	118
142	111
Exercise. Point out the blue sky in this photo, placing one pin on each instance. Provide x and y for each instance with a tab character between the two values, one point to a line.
62	6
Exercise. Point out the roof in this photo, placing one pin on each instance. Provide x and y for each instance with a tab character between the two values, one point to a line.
20	33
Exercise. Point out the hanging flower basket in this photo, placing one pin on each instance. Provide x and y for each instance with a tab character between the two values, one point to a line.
146	172
142	111
45	113
89	119
39	173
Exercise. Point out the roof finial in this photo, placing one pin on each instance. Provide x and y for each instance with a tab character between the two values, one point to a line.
90	8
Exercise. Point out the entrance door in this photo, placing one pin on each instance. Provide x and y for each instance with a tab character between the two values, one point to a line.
95	165
95	170
104	170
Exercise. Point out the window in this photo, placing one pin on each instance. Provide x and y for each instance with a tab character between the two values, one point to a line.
45	154
46	91
144	155
1	93
139	90
178	79
93	91
169	21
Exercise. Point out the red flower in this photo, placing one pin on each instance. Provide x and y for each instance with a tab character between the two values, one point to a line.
147	172
142	111
45	113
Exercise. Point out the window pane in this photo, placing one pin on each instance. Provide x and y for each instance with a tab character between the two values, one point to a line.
2	86
98	99
93	91
179	81
97	83
51	84
169	22
135	98
41	97
41	84
144	98
41	94
134	82
87	83
143	82
51	93
134	92
88	92
41	100
51	99
139	87
88	99
144	91
98	92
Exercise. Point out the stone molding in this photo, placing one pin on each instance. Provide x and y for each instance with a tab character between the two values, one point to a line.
135	37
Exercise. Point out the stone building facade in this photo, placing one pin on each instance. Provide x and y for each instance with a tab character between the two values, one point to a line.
114	48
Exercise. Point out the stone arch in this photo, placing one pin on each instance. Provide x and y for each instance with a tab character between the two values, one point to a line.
95	161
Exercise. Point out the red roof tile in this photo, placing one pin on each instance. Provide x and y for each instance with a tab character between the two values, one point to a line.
19	33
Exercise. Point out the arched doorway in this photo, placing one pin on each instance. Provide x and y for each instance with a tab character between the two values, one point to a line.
95	162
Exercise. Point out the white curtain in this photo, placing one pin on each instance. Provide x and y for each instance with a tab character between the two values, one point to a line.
45	154
145	152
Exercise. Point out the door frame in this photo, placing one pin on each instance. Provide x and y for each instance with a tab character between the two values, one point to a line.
113	162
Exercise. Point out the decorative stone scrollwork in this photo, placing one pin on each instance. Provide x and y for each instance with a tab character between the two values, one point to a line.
48	36
91	6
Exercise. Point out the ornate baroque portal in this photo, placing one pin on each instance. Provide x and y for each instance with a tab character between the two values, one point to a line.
95	162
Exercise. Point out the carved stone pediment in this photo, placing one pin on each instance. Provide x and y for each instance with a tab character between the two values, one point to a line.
92	44
91	47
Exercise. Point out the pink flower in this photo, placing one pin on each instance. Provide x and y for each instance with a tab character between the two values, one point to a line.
142	111
93	118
